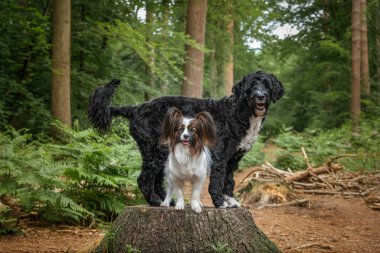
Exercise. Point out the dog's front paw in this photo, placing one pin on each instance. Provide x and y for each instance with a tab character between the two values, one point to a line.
180	205
196	206
154	200
225	205
231	202
165	203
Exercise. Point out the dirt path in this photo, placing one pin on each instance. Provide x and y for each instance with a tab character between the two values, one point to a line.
330	224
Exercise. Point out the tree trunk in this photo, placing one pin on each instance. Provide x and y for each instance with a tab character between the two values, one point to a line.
364	65
165	35
60	91
193	69
213	73
228	71
377	15
355	92
155	229
149	19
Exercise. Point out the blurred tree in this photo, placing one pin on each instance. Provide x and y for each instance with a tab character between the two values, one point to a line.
228	70
377	29
61	61
25	65
165	35
192	85
355	92
149	19
114	39
364	65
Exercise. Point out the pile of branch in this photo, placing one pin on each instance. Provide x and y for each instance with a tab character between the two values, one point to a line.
321	180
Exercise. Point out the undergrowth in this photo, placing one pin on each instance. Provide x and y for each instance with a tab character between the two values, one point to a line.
255	156
89	178
363	152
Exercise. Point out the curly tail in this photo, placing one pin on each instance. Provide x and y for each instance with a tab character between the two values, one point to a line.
99	111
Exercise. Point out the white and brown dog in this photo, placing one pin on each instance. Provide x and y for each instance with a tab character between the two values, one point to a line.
189	141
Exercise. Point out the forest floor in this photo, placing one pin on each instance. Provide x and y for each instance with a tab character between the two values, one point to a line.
328	224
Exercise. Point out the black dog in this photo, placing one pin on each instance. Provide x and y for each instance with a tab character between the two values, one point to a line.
238	119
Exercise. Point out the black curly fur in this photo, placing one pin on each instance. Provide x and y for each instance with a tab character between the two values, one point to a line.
231	115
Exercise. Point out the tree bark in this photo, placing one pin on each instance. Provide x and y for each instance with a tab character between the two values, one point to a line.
192	85
355	82
364	65
165	35
377	15
228	71
155	229
60	92
213	73
149	19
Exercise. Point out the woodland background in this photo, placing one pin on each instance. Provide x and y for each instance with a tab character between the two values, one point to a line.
326	54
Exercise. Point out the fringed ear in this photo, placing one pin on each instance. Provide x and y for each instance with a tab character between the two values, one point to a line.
237	89
169	124
208	128
276	88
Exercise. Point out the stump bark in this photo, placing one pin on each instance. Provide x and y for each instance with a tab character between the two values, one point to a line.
155	229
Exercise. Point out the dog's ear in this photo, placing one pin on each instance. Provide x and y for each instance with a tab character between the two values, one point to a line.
239	87
207	128
168	125
276	88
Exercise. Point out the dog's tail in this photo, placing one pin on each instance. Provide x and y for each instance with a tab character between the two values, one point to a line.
100	112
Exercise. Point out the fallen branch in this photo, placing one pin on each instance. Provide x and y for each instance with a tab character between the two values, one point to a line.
308	173
332	192
306	159
330	160
250	173
271	169
299	202
310	185
310	169
309	245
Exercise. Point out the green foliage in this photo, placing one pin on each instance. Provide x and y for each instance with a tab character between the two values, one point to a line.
221	247
25	101
287	160
7	222
90	177
321	145
255	156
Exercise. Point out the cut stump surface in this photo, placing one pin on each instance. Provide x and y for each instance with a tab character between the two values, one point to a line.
155	229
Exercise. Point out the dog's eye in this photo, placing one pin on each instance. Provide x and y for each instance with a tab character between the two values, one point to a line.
193	130
180	129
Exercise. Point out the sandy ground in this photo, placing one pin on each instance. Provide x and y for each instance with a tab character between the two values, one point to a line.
328	224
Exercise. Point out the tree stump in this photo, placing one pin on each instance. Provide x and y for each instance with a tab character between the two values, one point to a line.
157	229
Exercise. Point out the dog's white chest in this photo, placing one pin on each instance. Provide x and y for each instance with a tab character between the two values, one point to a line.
251	134
182	165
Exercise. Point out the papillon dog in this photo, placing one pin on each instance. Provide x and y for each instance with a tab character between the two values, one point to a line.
189	141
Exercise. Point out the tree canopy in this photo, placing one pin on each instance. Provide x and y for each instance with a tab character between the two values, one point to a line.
116	39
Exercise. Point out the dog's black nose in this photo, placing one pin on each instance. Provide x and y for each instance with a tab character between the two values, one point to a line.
186	136
260	97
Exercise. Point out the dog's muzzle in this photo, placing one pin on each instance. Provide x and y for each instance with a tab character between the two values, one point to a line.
260	102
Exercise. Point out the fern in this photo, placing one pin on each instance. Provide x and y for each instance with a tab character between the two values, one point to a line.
91	177
321	145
